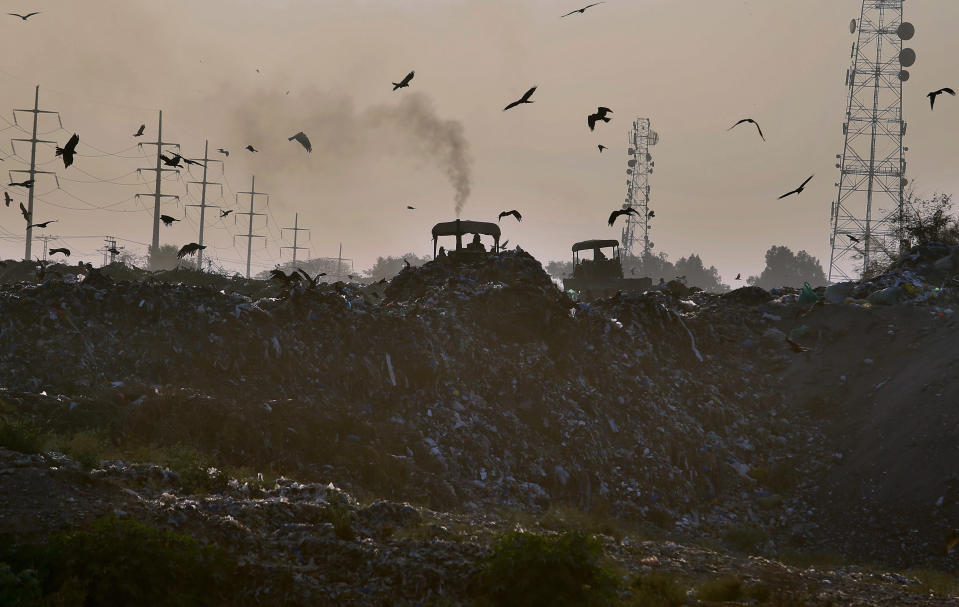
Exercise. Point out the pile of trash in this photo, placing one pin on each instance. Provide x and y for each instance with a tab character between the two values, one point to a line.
453	386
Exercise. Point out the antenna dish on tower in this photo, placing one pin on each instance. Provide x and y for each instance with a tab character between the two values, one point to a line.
907	57
852	26
652	138
904	75
906	31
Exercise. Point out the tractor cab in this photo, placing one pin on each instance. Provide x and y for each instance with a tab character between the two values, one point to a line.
475	247
598	265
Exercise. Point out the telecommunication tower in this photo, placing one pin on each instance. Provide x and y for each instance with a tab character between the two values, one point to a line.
639	166
866	217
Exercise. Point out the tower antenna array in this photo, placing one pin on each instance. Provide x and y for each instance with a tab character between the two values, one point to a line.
639	166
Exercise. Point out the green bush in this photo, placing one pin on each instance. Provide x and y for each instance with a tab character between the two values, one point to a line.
529	570
657	589
122	562
725	588
20	588
21	435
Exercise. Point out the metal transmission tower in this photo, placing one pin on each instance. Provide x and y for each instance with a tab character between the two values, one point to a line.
250	235
639	168
46	243
203	205
157	193
32	171
296	230
866	217
110	248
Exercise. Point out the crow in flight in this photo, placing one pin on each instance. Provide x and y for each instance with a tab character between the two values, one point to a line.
171	162
852	238
24	17
748	120
599	115
63	250
68	150
514	213
932	96
224	152
226	212
409	208
140	130
581	11
739	276
113	251
7	199
601	148
42	224
167	220
651	214
189	249
303	140
797	190
251	148
617	213
23	184
280	276
26	214
523	99
405	82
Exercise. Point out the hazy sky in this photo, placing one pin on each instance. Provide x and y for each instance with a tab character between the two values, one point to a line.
692	66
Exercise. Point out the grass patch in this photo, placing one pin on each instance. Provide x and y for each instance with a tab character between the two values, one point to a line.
724	588
657	589
530	570
22	435
940	583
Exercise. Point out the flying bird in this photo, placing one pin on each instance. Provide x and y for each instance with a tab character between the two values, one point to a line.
303	140
42	224
651	214
113	251
599	115
753	122
26	214
189	249
852	238
601	148
224	152
188	161
523	99
405	82
7	199
140	130
226	212
23	184
167	220
24	17
932	96
514	213
581	10
68	150
797	190
251	148
617	213
171	162
63	250
409	208
739	276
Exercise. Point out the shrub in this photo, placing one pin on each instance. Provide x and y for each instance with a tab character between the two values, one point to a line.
530	570
725	588
21	435
657	589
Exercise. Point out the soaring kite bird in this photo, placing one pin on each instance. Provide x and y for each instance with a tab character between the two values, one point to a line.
42	224
140	130
226	212
167	220
748	120
63	250
23	184
514	213
599	115
617	213
523	99
251	148
189	249
932	96
581	11
68	150
405	82
601	147
799	189
27	215
303	140
224	152
24	17
7	199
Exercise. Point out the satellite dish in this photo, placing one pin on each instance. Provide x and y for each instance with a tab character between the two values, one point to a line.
904	75
906	31
904	182
852	26
631	151
629	171
648	157
653	138
631	162
907	57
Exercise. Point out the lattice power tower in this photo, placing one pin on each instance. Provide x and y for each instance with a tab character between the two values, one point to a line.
639	166
866	217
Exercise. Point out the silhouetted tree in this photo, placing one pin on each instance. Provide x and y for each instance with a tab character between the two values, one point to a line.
787	269
698	275
930	219
164	258
388	267
559	270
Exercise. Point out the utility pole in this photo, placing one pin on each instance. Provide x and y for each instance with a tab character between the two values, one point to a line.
46	240
157	193
250	235
296	230
203	205
109	248
33	172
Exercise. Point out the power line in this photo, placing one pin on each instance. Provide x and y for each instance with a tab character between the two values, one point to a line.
250	235
203	205
157	193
